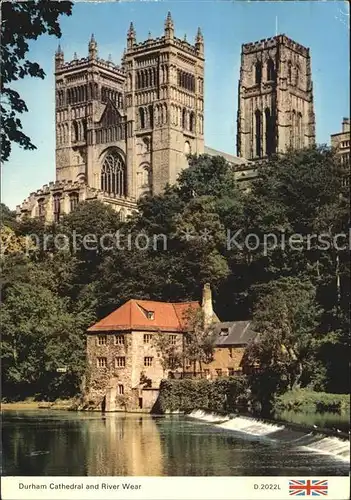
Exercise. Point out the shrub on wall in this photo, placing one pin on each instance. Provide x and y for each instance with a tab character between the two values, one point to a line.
220	395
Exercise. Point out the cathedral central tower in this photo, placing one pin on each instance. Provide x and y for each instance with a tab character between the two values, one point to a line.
275	108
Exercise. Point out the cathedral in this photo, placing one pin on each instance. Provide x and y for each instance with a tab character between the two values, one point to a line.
125	131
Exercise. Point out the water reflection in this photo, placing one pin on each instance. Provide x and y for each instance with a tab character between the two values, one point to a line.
123	446
80	444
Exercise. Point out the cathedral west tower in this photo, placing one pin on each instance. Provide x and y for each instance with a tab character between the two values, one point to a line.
275	98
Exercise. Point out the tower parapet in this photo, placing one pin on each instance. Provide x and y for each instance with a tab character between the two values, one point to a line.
275	108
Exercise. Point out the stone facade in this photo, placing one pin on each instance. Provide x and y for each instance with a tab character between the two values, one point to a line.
125	130
124	365
341	143
275	98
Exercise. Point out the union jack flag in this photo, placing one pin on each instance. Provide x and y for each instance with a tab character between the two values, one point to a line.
308	487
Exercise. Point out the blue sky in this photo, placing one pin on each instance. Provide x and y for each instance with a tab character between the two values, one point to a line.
321	26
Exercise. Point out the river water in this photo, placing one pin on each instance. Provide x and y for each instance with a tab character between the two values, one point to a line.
60	443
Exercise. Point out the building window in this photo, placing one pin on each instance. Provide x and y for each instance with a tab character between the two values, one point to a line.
113	175
148	361
57	207
184	118
173	339
219	372
297	79
258	137
289	72
41	208
270	70
101	340
101	362
75	131
258	73
120	389
147	338
119	339
120	362
270	140
192	122
231	372
206	372
73	201
142	118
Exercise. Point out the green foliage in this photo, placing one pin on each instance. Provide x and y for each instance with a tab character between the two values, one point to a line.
307	400
199	338
299	297
220	395
22	22
286	317
170	354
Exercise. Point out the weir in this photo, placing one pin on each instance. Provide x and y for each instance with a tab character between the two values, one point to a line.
259	429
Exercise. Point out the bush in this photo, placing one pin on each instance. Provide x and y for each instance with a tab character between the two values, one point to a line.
305	400
220	395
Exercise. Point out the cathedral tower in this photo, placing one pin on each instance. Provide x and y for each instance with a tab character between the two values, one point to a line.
275	108
164	106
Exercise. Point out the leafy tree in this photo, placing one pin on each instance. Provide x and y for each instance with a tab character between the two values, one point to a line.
200	338
10	243
286	350
7	217
171	356
21	23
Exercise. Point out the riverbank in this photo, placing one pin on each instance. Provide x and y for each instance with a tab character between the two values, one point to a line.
316	440
30	404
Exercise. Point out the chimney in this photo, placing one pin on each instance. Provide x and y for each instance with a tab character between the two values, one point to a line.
206	305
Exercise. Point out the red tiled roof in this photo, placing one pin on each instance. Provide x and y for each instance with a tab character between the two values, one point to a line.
168	316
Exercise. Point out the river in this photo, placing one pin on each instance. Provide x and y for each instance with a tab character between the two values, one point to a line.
62	443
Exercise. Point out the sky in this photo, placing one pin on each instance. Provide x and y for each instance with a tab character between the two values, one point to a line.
226	25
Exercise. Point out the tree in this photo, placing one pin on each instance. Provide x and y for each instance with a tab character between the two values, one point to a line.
199	338
286	318
171	356
22	22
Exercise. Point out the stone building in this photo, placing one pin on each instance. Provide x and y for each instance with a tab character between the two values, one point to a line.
123	131
232	340
124	365
341	143
275	98
122	356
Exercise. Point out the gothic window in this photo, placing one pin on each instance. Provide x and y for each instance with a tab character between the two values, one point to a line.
151	117
258	133
184	118
270	147
293	129
75	131
41	208
192	122
297	79
258	72
142	117
113	178
270	70
84	126
146	142
289	72
299	131
146	176
57	207
73	201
